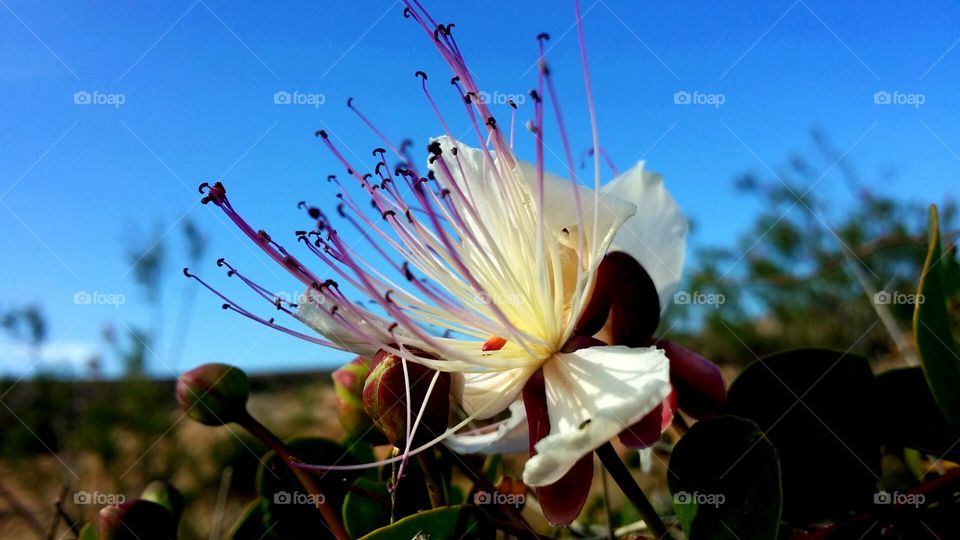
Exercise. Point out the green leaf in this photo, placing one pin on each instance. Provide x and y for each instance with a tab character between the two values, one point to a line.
816	407
938	349
909	417
459	522
252	524
290	509
89	532
725	479
361	514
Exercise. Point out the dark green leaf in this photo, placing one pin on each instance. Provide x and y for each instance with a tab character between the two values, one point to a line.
455	522
909	417
816	407
938	349
89	532
363	515
252	524
725	480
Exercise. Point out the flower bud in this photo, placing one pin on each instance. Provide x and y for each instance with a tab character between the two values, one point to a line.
136	520
167	496
385	399
348	383
214	394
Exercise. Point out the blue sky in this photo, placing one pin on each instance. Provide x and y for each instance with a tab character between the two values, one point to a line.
183	92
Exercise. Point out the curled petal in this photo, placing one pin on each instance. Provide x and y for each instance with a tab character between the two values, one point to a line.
505	437
625	299
655	235
699	385
648	430
592	395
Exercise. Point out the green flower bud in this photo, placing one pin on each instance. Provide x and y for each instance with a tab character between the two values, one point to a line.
167	496
136	520
214	394
348	383
385	399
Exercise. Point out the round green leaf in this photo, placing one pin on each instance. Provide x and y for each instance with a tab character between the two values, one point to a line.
725	480
816	407
455	522
362	515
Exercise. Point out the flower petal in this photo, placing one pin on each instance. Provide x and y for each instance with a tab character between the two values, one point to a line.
699	385
507	437
647	431
484	394
592	395
655	235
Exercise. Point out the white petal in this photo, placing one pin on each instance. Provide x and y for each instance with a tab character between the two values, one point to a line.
509	436
592	395
655	235
488	394
560	211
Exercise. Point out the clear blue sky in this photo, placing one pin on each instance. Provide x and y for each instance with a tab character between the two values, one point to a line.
198	78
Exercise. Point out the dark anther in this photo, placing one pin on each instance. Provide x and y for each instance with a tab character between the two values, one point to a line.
277	302
350	171
434	148
300	234
221	261
565	231
314	212
186	272
393	327
262	234
383	185
380	151
387	296
315	286
404	144
431	176
329	283
406	271
400	170
543	36
225	306
431	159
512	104
544	68
231	272
203	186
340	209
270	321
409	216
216	193
340	196
535	96
380	164
367	176
444	193
301	204
333	310
492	122
455	79
454	150
349	102
389	213
331	177
421	74
320	133
407	12
449	28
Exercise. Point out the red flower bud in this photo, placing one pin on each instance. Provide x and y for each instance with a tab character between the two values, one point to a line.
385	399
214	394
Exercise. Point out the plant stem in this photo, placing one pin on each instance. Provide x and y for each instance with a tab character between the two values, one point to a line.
251	424
428	463
621	475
